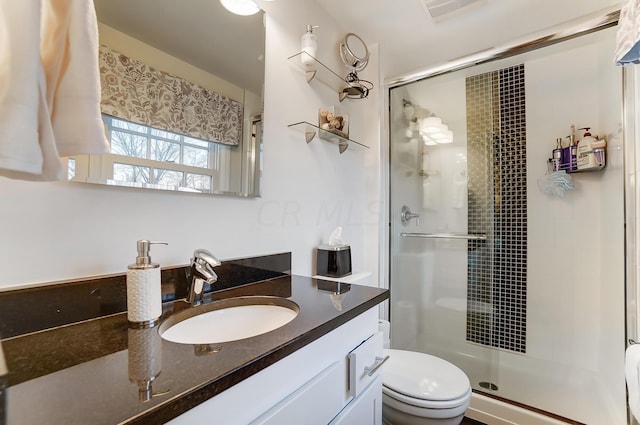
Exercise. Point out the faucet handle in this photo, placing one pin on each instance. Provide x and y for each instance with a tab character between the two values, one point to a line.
206	256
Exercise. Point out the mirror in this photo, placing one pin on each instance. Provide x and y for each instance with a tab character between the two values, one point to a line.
200	42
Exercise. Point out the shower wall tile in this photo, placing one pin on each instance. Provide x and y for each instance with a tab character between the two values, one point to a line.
497	267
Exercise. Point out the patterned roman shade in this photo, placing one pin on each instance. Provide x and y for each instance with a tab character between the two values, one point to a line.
138	93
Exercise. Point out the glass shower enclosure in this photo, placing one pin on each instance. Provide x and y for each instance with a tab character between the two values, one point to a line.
497	264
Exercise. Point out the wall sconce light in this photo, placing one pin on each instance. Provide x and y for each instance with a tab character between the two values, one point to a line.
433	129
445	136
430	125
240	7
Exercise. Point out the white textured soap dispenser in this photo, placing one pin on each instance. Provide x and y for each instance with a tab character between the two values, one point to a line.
309	45
144	295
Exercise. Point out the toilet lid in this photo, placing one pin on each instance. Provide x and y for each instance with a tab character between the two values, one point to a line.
423	376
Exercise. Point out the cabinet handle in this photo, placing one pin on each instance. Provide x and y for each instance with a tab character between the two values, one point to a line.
376	365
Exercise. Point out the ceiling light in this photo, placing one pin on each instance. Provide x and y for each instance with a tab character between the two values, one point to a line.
241	7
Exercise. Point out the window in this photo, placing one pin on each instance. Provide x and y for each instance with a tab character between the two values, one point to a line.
145	155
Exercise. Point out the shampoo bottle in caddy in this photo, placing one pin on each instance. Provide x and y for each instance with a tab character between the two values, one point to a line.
144	295
586	159
570	153
557	156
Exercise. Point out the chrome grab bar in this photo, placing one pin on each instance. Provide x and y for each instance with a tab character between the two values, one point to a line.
445	236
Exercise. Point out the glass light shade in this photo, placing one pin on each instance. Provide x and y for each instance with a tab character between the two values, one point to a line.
441	133
448	137
430	125
428	141
241	7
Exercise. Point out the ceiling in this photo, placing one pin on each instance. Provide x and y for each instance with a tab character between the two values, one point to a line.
410	40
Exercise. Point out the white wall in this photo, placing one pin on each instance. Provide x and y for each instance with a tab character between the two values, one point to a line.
55	231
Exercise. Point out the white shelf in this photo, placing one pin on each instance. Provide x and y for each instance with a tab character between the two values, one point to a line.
310	131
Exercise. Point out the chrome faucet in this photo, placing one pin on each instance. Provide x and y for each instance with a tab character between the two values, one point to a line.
202	265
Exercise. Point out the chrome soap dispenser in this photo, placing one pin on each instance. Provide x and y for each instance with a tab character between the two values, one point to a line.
144	295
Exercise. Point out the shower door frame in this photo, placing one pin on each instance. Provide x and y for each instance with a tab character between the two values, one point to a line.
631	132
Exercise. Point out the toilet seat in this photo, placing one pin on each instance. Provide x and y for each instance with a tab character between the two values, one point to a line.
424	381
427	404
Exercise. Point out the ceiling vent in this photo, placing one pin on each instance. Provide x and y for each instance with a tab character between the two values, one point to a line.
445	9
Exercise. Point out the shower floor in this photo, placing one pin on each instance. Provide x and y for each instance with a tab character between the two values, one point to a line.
560	389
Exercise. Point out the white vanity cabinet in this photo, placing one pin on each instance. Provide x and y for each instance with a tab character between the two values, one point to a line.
365	384
365	409
316	385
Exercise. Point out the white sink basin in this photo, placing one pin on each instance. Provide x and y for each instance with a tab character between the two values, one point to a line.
228	320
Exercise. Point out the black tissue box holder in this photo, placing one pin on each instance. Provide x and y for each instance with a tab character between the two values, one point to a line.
333	261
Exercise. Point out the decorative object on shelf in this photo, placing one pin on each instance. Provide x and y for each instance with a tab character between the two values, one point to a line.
355	55
310	131
309	45
331	120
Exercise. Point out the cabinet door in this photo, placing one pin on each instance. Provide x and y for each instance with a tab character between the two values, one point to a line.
365	409
315	403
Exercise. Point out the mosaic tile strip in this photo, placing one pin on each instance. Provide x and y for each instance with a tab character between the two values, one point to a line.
496	155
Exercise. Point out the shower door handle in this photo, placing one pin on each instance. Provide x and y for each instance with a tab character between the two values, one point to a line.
479	237
406	215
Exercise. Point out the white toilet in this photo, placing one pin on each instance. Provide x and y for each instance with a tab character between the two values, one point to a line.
421	389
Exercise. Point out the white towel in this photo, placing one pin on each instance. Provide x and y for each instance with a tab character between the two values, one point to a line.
632	363
628	34
21	86
49	87
70	61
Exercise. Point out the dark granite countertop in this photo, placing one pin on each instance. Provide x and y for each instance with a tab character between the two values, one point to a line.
94	371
